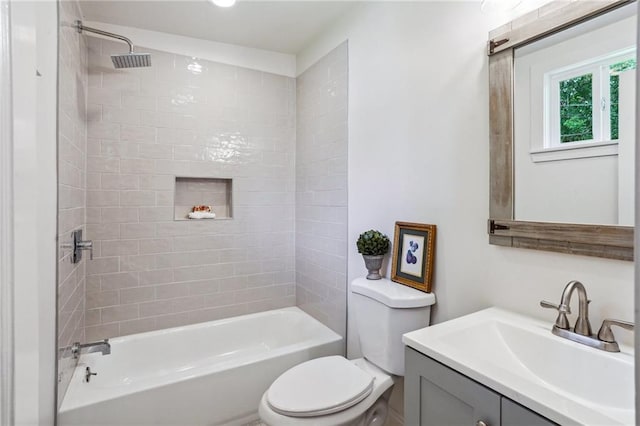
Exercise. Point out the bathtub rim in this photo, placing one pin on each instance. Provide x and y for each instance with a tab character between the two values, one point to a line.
73	401
205	324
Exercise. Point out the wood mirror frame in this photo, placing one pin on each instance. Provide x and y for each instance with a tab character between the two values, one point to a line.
610	241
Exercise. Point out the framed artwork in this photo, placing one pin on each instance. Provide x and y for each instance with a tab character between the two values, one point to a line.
412	265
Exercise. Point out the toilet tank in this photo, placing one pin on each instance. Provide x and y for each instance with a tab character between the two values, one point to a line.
384	311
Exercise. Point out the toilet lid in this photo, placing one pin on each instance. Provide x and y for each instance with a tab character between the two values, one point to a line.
319	387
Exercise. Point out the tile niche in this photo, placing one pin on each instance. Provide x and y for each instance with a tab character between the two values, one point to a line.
214	192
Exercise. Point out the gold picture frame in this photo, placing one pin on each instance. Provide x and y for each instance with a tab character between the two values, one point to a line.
413	250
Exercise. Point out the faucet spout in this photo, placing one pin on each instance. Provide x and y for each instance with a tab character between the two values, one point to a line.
582	326
102	346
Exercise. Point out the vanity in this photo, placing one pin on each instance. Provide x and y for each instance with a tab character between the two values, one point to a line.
496	367
439	395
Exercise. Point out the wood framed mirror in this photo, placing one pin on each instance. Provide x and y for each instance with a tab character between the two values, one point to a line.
504	227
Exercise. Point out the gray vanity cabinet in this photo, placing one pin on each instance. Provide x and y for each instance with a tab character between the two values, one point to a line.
436	395
516	415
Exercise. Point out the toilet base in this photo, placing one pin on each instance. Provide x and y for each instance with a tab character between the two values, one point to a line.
372	411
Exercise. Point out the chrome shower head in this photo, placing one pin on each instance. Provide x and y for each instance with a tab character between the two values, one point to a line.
131	60
125	60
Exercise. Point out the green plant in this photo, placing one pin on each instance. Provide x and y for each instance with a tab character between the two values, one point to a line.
373	243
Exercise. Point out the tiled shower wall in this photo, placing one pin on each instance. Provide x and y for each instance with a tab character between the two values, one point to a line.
321	189
72	144
186	117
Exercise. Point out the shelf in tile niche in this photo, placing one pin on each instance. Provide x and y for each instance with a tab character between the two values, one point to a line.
214	192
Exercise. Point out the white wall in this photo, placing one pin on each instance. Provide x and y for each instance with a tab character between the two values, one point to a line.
34	32
6	223
230	54
419	151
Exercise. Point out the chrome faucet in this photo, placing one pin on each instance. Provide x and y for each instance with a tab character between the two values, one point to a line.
101	346
582	325
581	332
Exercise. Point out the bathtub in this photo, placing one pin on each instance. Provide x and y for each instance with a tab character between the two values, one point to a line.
204	374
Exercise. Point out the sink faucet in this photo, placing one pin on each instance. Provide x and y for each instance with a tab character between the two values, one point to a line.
582	327
101	346
581	332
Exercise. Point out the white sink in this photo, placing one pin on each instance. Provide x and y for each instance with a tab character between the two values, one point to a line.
518	357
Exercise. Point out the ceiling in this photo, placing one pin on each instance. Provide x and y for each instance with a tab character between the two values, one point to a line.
280	26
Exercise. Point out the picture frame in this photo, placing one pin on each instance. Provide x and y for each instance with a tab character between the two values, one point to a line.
413	252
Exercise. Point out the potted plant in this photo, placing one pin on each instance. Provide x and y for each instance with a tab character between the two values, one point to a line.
373	245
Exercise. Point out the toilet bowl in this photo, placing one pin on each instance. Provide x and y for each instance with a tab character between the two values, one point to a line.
349	393
333	391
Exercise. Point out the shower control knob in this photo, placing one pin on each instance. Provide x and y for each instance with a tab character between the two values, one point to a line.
481	423
85	245
88	374
78	245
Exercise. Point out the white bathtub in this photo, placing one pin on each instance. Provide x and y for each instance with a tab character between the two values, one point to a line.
204	374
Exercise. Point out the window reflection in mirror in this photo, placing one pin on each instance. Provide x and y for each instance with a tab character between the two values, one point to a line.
574	118
583	101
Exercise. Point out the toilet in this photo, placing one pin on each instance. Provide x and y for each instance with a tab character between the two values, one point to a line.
331	391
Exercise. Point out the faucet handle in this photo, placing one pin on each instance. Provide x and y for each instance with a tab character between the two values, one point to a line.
561	321
606	335
85	245
558	307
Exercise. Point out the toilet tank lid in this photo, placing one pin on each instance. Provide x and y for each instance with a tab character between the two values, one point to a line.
392	294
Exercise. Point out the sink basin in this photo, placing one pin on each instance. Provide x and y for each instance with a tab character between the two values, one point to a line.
518	357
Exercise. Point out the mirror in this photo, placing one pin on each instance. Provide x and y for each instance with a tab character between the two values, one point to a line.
562	86
574	123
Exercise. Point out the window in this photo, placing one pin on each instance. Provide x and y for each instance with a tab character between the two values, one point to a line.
614	70
581	101
576	108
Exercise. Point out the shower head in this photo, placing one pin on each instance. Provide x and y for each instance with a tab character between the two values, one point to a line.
125	60
131	60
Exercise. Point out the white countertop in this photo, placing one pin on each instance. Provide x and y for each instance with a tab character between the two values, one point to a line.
518	357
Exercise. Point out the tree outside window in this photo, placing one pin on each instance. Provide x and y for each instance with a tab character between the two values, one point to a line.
585	101
576	109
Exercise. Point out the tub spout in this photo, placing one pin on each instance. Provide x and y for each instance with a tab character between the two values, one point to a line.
101	346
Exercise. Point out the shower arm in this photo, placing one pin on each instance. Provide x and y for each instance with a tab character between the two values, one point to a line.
80	28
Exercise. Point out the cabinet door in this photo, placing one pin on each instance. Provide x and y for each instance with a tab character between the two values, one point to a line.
516	415
435	395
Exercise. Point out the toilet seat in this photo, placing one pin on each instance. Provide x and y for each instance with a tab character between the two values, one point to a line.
319	387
